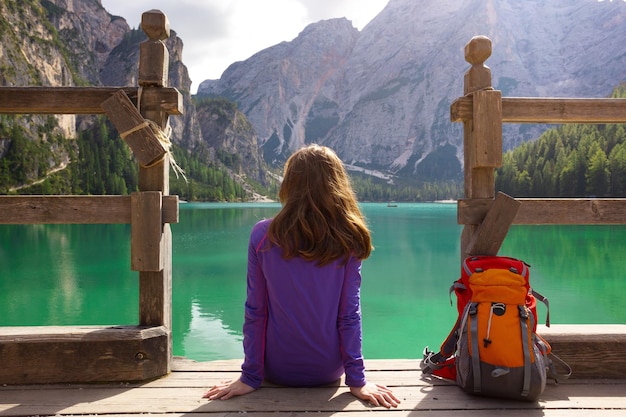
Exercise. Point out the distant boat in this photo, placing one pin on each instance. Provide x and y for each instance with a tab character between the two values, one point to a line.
392	204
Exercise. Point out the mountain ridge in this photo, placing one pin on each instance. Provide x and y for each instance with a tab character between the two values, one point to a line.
380	96
386	105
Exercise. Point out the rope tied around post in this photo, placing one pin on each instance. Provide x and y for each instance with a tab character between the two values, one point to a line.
148	141
134	129
163	135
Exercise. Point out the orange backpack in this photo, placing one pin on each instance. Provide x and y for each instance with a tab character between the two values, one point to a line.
493	349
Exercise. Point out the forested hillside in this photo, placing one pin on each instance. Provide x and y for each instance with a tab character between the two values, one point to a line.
569	161
78	43
100	163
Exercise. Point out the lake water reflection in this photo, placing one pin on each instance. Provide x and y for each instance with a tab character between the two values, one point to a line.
80	274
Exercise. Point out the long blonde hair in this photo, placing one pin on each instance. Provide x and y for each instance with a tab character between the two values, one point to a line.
320	219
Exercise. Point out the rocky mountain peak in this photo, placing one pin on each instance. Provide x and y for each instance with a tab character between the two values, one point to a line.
381	97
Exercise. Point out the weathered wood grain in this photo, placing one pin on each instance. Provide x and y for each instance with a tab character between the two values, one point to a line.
592	351
81	100
550	211
487	135
146	231
300	400
74	209
549	110
478	76
45	356
488	237
81	353
134	129
154	56
180	394
155	270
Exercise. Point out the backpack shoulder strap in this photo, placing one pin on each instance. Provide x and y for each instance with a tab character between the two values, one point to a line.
545	301
524	316
472	310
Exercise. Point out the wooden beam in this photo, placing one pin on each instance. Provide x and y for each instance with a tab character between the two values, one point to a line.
155	290
101	209
80	100
64	354
146	229
592	351
487	152
488	237
134	129
549	110
550	211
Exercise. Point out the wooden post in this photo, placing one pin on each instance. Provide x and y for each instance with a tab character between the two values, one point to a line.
490	234
155	286
482	134
107	353
478	77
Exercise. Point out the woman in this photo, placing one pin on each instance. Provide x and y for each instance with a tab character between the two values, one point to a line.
302	314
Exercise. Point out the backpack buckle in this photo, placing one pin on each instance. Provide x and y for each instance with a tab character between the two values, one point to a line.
472	309
523	312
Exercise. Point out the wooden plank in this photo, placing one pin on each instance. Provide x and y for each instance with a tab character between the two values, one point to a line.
167	100
234	365
61	354
414	379
73	209
381	412
487	135
134	129
592	351
180	394
488	237
551	211
146	230
206	379
549	110
80	100
99	400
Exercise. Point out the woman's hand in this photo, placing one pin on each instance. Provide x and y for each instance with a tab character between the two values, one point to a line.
228	389
375	394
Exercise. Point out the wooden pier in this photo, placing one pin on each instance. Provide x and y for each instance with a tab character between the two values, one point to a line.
128	351
179	394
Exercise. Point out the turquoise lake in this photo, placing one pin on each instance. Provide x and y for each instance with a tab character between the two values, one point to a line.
80	275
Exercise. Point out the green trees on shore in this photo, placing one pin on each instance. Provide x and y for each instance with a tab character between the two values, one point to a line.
99	163
569	161
368	188
205	180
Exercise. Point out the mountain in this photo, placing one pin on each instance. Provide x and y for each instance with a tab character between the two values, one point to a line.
78	43
381	97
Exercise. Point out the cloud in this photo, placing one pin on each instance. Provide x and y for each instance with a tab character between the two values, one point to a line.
360	12
217	33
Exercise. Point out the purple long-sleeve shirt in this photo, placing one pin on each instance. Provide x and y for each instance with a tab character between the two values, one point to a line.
302	322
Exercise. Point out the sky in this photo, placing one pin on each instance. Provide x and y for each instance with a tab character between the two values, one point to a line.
217	33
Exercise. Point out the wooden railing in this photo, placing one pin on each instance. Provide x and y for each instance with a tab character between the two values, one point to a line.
487	217
96	353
